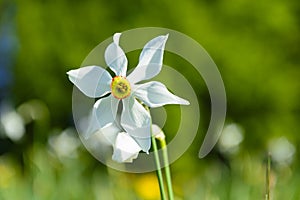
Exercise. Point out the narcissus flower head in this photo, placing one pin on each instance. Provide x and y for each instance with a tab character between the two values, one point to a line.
133	125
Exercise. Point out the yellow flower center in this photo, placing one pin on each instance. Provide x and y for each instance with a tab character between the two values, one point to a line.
120	87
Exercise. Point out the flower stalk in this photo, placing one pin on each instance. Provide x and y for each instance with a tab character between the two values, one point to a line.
268	170
167	167
158	171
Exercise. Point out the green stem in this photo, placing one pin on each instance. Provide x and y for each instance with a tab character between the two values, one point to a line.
159	173
268	170
158	166
167	167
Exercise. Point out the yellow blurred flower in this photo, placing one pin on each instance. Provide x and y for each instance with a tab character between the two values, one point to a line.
146	187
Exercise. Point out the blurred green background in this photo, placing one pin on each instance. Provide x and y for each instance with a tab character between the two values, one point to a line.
255	45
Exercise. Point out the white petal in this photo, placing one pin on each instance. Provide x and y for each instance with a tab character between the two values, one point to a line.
155	94
106	110
115	57
93	125
111	132
125	148
150	62
103	114
136	121
93	81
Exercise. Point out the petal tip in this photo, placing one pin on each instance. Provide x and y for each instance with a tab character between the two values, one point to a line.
186	102
116	38
164	38
71	72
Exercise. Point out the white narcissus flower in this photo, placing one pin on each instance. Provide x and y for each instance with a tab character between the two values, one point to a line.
132	128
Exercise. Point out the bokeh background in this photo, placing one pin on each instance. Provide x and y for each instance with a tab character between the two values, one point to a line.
255	45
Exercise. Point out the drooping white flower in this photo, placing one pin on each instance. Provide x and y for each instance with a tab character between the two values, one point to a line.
133	125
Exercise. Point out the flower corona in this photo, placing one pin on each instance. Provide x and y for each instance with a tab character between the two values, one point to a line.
120	87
